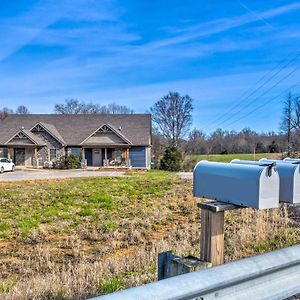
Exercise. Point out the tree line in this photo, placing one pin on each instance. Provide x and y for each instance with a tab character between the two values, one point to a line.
290	123
22	110
172	133
74	106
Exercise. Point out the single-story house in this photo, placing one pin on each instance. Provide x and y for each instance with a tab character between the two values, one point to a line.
100	140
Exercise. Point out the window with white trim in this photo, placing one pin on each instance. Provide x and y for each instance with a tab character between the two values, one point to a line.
53	154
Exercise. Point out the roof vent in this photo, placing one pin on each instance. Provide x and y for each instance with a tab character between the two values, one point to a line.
120	128
22	127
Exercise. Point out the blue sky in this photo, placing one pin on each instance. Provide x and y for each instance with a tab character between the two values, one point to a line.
132	52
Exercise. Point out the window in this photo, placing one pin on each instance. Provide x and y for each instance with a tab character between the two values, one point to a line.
75	151
4	152
52	154
118	155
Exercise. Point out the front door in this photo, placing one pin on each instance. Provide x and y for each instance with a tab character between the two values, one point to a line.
97	157
19	156
88	153
28	157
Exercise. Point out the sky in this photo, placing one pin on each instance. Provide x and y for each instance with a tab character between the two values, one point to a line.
237	59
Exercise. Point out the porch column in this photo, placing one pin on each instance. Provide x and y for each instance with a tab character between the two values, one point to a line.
83	153
105	153
10	153
36	157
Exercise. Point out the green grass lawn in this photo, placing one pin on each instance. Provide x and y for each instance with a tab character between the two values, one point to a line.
81	237
71	205
191	160
230	157
57	231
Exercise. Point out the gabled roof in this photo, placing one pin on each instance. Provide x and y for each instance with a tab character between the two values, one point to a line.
73	129
51	129
27	133
114	130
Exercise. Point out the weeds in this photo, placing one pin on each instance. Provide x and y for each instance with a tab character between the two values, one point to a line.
78	238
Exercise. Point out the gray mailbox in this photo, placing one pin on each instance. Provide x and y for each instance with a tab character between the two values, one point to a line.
246	185
289	159
289	174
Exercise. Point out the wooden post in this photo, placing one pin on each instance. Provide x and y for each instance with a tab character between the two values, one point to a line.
212	231
170	265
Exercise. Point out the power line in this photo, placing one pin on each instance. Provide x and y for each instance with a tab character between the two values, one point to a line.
264	93
242	98
263	104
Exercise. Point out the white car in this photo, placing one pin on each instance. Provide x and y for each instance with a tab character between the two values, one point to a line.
6	165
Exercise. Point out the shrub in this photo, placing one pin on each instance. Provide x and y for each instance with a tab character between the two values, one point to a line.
72	162
189	164
172	159
273	147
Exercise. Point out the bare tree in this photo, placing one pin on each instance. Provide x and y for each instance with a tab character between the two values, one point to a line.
22	110
114	108
172	116
296	115
4	112
217	141
287	121
197	142
73	106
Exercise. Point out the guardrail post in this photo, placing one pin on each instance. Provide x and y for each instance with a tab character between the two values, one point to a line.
212	231
170	265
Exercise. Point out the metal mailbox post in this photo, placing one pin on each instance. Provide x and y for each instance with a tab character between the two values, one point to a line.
289	175
255	186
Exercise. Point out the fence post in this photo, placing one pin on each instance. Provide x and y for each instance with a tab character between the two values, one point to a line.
170	265
212	231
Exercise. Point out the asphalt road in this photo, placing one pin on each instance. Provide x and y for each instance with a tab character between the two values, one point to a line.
19	175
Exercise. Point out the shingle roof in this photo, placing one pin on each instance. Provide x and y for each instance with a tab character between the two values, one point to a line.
115	130
34	138
73	129
53	131
38	141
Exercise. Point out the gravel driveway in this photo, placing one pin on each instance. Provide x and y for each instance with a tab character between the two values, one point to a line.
19	175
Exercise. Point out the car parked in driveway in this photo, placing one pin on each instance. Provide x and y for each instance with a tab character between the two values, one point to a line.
6	165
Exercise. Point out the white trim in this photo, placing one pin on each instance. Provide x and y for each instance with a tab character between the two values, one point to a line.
112	129
21	130
55	137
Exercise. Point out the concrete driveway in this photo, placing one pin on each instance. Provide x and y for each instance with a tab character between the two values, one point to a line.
19	175
185	175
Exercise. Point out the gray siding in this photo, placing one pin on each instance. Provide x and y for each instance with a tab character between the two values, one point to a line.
43	152
137	156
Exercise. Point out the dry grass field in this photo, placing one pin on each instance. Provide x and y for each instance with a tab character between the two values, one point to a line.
77	238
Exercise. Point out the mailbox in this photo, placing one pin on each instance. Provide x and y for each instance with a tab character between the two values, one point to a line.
289	174
246	185
289	159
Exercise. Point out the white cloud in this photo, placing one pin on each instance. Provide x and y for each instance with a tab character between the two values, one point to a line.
17	32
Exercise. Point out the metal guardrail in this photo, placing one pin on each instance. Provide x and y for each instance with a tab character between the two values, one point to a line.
273	275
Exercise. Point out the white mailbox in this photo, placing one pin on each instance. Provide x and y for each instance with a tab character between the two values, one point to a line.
246	185
289	159
289	174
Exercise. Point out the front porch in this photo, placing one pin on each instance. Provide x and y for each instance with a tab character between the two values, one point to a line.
106	157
